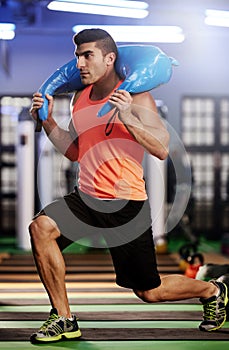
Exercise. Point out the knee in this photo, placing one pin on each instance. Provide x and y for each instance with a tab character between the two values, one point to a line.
148	296
43	228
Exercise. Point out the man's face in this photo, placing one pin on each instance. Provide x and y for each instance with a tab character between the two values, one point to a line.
91	63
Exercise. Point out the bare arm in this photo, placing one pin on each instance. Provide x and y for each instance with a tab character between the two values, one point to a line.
140	116
60	138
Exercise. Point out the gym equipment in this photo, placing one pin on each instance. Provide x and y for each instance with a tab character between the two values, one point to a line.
25	172
154	174
142	68
190	259
195	261
44	170
212	271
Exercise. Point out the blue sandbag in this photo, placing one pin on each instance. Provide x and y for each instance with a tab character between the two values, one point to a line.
141	67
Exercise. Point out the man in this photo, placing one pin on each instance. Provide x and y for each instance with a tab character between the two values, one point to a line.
111	197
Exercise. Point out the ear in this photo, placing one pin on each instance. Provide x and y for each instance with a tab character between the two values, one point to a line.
110	58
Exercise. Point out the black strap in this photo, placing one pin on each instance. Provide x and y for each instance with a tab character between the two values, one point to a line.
109	125
38	125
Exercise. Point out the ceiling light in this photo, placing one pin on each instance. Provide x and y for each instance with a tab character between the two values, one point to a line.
120	8
7	31
217	18
139	34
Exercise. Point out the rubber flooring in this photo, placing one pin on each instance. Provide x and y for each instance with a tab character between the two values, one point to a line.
110	317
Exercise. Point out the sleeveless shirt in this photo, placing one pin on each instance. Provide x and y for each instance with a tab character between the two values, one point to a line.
109	156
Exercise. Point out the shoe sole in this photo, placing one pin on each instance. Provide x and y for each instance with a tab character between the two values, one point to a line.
67	335
225	318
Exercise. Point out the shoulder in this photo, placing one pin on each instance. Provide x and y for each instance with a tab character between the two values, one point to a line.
75	98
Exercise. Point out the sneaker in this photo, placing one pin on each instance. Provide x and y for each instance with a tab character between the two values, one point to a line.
215	309
225	280
55	328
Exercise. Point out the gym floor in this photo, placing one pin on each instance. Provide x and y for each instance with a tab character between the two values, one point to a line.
110	317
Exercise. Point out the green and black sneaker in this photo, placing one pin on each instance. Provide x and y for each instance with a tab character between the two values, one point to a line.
225	280
55	328
214	314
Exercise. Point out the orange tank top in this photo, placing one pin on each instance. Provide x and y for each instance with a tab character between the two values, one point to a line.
109	157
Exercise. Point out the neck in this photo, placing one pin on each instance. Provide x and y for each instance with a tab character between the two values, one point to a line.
103	87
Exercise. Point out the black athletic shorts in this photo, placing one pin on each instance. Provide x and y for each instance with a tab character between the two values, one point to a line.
123	226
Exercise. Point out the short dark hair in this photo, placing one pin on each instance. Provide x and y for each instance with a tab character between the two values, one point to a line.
104	40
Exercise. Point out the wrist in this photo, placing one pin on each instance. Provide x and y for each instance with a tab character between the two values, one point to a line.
125	116
49	125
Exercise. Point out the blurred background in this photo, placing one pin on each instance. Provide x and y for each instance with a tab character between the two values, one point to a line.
195	103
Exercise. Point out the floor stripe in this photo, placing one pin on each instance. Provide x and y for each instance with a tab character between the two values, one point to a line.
120	345
109	316
110	324
94	334
108	308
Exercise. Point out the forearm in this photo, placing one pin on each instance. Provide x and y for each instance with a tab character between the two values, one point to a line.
61	139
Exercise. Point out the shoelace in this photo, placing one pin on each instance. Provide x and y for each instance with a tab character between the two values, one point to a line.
51	318
210	311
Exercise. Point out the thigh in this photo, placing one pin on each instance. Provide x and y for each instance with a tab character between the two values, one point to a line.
72	217
135	263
